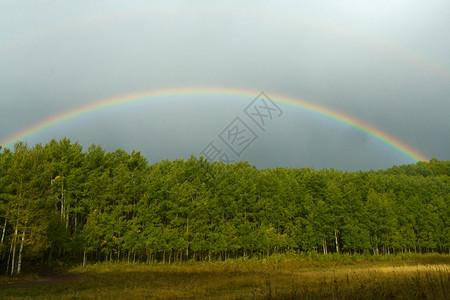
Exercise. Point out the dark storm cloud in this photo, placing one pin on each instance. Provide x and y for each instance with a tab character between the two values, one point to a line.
386	63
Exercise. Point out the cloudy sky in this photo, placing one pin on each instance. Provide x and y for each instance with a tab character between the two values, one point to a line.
385	63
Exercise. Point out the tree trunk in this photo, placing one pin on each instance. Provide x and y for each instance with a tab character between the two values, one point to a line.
375	248
14	250
3	253
84	258
67	217
336	239
75	222
3	234
62	199
19	262
9	258
187	235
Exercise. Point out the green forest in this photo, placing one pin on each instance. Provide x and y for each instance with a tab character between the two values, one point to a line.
59	203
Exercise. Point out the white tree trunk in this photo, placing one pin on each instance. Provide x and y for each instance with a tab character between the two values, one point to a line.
84	258
62	200
14	250
67	217
75	221
375	250
335	237
3	233
19	261
9	259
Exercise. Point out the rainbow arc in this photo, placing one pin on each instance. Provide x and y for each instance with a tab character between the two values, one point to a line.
314	108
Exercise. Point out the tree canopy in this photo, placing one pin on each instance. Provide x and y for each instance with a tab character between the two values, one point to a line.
58	202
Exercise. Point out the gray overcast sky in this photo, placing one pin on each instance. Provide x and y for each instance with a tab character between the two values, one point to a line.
386	63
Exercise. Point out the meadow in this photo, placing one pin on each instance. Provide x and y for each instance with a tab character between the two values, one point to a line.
276	277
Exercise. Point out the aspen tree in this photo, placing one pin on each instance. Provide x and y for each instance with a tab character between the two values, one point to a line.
19	262
13	250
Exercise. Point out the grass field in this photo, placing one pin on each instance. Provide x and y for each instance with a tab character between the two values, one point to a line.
279	277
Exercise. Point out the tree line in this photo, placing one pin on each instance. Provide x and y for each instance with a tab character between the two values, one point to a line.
60	203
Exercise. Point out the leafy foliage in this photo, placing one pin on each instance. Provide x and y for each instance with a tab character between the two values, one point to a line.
59	203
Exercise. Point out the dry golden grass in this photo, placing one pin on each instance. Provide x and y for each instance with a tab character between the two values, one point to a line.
292	279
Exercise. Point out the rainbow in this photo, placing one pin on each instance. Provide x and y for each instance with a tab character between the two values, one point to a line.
317	109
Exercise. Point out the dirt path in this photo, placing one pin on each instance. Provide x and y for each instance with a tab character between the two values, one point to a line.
46	278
